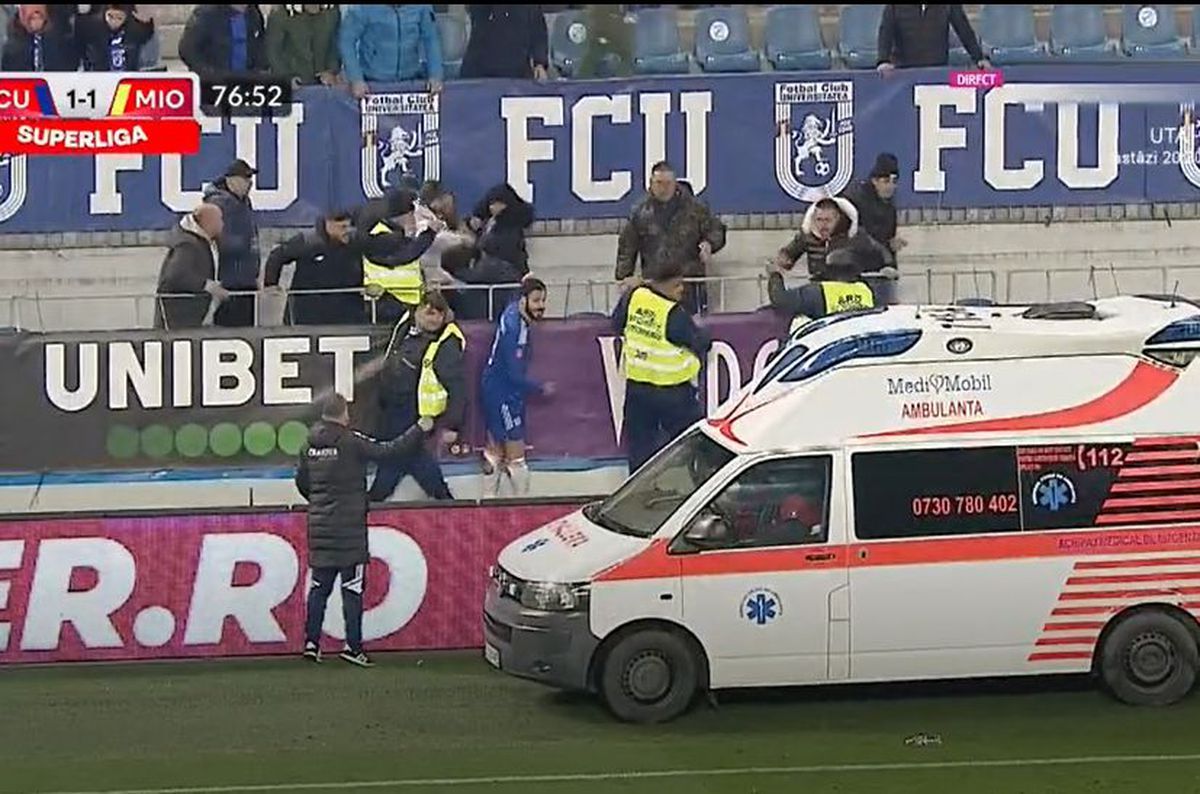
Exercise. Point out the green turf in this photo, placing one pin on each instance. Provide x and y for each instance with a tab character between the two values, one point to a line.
154	726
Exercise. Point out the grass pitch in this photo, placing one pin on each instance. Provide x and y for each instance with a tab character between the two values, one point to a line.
447	722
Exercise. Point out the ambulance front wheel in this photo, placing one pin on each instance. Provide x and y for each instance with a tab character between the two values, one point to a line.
1150	659
649	676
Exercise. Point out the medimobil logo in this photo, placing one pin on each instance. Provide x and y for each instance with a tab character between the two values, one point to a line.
940	383
984	78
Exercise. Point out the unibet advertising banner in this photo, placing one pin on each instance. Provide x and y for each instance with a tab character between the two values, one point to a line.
242	397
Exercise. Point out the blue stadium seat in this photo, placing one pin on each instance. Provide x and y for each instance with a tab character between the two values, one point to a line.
453	30
793	39
1151	33
1079	33
656	45
568	41
958	53
1007	35
723	40
858	35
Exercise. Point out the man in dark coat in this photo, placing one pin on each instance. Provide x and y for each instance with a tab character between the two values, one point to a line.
224	41
240	262
919	35
670	227
507	41
189	268
874	198
327	257
332	476
112	41
40	39
831	224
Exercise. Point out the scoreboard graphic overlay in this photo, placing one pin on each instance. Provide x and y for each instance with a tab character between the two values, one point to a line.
89	113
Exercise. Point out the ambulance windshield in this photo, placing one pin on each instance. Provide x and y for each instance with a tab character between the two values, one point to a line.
649	497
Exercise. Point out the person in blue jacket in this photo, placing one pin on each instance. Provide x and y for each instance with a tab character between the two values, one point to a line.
390	44
506	385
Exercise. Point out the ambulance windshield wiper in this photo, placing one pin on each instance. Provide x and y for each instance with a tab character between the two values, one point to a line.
597	515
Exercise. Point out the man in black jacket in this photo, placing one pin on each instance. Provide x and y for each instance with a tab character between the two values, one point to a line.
422	376
238	268
112	41
40	39
332	476
506	41
874	198
327	257
224	41
919	35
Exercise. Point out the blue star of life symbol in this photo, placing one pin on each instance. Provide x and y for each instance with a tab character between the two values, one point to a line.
761	608
1054	494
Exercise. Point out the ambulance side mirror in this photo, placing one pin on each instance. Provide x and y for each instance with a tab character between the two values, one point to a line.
708	531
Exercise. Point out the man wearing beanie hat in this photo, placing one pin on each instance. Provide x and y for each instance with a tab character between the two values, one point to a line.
240	264
841	290
874	198
39	41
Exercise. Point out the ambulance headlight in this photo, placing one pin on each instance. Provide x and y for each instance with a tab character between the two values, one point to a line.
555	597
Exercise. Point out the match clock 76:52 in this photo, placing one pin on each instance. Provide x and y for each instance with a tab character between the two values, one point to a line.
257	96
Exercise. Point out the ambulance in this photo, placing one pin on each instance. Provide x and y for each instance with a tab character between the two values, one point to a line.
916	492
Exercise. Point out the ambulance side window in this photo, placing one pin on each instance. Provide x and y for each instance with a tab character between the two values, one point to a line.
922	492
781	502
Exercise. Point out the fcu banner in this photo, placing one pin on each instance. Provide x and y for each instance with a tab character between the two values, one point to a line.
228	398
165	587
1058	134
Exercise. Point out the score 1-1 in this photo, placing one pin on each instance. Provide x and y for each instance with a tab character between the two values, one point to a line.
79	99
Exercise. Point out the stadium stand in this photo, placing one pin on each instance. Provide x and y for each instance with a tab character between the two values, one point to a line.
657	48
1008	35
453	30
568	41
723	40
859	36
1079	33
1152	32
794	40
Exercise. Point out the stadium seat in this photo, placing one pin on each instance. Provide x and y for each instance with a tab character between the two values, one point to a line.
793	39
723	40
958	53
1151	33
453	30
1007	35
1079	33
858	35
656	45
568	41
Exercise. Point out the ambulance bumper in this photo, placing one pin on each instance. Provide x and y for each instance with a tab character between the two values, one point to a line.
553	648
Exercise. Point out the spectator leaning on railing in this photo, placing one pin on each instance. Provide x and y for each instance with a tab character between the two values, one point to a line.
224	40
507	41
112	41
874	198
327	257
919	35
190	269
240	263
669	227
390	44
40	40
302	43
828	225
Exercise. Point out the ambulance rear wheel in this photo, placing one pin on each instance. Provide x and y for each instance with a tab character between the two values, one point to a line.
1150	659
649	676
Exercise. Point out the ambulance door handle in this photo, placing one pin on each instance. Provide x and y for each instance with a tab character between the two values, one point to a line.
820	557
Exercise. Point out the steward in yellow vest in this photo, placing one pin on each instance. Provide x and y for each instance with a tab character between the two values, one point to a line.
423	378
662	350
841	290
391	261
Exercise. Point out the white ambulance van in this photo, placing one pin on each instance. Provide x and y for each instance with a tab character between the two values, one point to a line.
908	493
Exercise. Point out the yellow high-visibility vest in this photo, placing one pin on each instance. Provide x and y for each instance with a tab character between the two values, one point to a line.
649	357
432	396
840	296
404	282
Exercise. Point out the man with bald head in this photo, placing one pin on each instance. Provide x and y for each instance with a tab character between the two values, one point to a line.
187	284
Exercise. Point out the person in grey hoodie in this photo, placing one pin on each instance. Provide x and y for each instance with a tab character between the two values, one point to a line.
187	284
240	264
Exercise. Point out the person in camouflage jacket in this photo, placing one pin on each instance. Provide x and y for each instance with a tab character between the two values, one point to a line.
668	227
